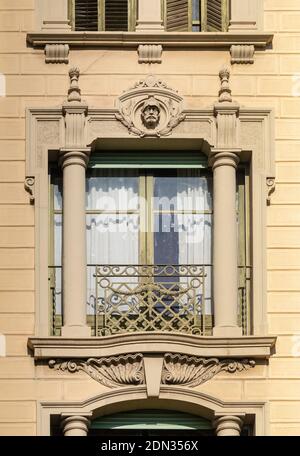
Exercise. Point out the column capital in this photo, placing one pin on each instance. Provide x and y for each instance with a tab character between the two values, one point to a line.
75	425
74	156
228	425
224	157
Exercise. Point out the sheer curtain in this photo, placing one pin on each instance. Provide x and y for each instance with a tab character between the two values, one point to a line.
112	222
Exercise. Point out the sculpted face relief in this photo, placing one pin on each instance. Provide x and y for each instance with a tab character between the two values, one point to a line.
151	113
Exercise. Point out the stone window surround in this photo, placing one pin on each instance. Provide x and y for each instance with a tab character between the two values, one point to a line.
245	34
198	129
226	417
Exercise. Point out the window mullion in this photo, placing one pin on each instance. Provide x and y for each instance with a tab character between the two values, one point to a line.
101	15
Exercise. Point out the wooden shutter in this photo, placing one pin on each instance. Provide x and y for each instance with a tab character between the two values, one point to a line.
86	15
216	15
116	15
177	15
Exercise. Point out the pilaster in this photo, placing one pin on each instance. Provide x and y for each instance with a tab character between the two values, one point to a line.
149	16
245	15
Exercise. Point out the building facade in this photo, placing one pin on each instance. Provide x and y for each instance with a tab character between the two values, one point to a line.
150	192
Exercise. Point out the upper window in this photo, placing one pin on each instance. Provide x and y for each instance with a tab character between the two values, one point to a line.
178	15
196	15
104	15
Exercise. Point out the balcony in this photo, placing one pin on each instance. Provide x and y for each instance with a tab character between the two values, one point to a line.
149	298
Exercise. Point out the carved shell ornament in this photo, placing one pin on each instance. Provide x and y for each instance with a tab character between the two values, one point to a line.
150	108
178	369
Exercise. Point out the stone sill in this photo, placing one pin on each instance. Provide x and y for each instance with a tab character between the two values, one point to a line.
167	39
237	347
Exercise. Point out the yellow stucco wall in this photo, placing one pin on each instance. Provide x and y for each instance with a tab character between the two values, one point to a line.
272	81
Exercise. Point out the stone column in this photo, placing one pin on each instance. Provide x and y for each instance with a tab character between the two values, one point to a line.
228	426
75	426
74	159
224	160
149	16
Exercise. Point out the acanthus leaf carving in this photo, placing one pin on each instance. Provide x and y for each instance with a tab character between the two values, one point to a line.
193	371
111	372
150	108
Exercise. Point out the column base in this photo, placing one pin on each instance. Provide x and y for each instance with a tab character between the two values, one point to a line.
76	332
227	331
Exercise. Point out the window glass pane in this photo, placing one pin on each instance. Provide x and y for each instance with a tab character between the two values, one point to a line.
57	187
112	239
196	10
187	191
112	191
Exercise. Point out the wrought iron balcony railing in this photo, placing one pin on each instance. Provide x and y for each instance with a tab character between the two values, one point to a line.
143	298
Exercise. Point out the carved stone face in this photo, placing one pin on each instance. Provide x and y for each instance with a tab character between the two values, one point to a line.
151	114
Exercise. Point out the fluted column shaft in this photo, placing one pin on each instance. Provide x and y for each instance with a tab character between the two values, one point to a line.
225	244
75	426
228	426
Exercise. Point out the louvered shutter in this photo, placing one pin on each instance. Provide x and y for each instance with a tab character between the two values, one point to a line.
215	10
116	15
86	15
177	15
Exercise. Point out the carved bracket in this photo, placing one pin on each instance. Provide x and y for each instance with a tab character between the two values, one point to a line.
242	53
150	108
129	369
270	188
57	53
150	53
29	186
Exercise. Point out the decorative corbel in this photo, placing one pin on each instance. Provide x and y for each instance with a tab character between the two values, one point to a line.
150	53
242	53
57	53
29	186
270	188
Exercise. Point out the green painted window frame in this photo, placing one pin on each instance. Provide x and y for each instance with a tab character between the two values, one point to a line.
132	14
203	16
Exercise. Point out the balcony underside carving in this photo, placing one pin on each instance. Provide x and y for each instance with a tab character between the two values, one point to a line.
176	369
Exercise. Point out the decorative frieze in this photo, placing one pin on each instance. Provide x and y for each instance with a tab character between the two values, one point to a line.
177	369
150	108
150	53
242	53
57	53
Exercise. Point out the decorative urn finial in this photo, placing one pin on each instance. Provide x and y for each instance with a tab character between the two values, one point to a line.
225	91
74	92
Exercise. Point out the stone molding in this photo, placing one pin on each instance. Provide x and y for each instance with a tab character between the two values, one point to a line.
179	398
176	369
57	53
150	93
190	40
150	53
242	53
75	425
228	425
152	343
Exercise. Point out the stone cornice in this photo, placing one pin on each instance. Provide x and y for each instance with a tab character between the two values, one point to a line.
133	39
238	347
